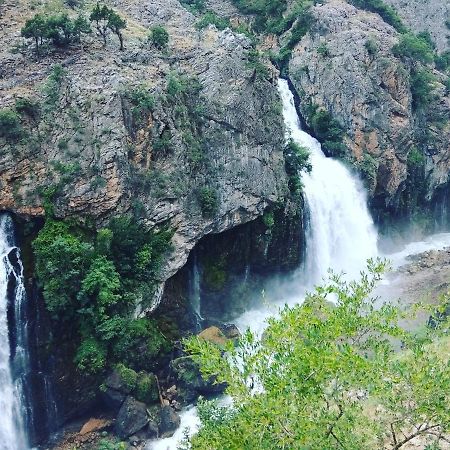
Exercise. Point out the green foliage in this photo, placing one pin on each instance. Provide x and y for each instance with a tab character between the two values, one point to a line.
111	445
211	18
10	127
296	160
442	61
422	87
254	63
415	158
52	86
268	219
159	37
215	274
268	13
323	50
329	376
195	6
62	259
91	356
60	30
208	200
95	282
301	20
106	19
369	168
128	376
371	46
146	388
27	106
415	48
142	103
387	12
327	130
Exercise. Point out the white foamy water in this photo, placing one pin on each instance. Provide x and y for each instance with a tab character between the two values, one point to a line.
11	426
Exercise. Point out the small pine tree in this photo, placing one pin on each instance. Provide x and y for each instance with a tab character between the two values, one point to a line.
116	24
35	28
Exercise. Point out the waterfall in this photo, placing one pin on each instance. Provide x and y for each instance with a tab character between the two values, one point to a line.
195	291
13	353
340	233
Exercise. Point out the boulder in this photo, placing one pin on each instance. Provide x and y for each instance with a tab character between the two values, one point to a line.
94	425
132	418
213	335
113	399
147	388
170	421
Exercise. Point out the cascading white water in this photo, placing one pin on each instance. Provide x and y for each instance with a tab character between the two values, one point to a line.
12	436
341	234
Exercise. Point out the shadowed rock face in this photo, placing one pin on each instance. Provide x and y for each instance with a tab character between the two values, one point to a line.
369	93
104	162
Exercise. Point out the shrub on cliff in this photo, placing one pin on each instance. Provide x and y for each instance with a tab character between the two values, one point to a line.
10	127
159	37
415	48
329	376
106	19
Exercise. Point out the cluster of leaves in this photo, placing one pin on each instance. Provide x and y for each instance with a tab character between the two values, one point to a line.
159	37
387	12
95	285
195	6
329	375
254	62
296	160
59	30
415	47
268	13
106	19
211	18
10	126
208	200
327	130
142	104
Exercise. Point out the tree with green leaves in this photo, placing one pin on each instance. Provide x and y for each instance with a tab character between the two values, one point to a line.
35	28
106	19
338	372
116	24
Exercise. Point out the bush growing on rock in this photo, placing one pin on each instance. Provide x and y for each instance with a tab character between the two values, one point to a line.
159	37
208	200
10	127
387	12
415	48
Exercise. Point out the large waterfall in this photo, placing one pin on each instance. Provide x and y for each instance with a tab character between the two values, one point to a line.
341	235
13	353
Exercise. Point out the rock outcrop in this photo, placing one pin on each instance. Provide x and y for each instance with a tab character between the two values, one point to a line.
345	64
224	134
430	16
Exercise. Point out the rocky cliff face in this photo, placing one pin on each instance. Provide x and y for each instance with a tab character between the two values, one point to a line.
345	64
430	15
221	135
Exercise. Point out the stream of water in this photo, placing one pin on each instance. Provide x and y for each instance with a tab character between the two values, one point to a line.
12	354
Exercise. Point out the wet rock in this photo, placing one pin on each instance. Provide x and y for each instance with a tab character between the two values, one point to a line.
170	421
113	399
132	418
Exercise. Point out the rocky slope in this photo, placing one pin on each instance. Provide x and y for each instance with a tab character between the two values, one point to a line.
426	16
345	64
86	142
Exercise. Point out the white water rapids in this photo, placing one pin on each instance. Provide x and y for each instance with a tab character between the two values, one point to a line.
12	435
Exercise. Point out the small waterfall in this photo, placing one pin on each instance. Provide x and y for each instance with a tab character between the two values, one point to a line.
195	290
341	234
13	353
